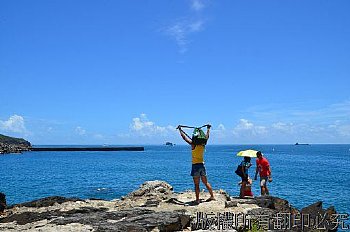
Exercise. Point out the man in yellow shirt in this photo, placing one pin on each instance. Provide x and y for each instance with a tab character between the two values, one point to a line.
198	170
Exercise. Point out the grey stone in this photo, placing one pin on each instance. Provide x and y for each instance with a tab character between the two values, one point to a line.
229	204
276	203
316	210
45	202
128	220
151	203
156	189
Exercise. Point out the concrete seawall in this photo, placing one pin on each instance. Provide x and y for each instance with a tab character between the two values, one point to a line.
87	149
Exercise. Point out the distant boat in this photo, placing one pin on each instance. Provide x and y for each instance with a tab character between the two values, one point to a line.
302	144
169	144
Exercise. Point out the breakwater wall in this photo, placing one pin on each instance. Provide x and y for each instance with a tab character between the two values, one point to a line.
87	149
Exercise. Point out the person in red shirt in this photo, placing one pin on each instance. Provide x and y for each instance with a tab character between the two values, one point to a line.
264	169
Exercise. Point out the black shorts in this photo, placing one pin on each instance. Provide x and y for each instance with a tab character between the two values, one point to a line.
198	170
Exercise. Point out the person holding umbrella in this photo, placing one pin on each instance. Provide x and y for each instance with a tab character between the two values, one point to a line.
198	172
242	171
244	166
263	167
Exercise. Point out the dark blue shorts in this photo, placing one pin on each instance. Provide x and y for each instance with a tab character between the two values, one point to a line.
198	170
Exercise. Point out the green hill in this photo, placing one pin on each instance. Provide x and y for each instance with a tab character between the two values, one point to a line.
13	145
12	140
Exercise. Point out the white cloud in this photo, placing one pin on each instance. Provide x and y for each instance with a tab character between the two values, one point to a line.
219	132
197	5
98	136
80	131
286	132
304	112
244	124
246	128
14	124
340	128
303	122
221	127
283	127
181	30
144	127
344	130
196	26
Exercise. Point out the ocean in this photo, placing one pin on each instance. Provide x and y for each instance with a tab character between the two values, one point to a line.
302	174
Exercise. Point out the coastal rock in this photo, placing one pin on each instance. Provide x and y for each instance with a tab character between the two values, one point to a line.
150	194
318	214
134	219
2	202
154	188
235	201
313	209
152	207
46	202
279	204
267	202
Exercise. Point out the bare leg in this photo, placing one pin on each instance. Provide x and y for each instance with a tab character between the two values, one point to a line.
267	190
263	187
208	186
196	180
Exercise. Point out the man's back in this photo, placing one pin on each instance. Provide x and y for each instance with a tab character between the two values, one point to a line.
263	164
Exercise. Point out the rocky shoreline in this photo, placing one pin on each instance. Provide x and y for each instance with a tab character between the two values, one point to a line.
13	145
155	207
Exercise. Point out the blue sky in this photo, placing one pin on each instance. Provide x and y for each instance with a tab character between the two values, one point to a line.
128	72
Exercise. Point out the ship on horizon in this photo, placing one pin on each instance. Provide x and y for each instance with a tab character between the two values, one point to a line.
301	144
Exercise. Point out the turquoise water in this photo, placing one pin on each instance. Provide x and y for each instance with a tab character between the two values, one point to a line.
301	174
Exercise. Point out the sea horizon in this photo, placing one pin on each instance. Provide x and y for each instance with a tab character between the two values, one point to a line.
176	144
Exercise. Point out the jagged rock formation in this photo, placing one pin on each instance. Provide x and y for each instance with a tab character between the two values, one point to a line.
152	207
2	202
13	145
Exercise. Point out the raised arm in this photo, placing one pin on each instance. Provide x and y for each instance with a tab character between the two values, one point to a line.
184	136
208	131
